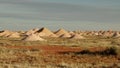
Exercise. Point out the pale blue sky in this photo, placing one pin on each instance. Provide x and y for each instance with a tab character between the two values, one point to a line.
55	14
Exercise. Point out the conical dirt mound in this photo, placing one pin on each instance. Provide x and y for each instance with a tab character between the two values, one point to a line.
32	31
62	33
14	35
5	33
33	37
65	36
45	32
77	36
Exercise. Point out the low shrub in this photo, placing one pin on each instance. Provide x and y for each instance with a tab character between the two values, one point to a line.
106	52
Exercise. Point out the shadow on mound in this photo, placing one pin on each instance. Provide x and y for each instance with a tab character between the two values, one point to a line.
106	52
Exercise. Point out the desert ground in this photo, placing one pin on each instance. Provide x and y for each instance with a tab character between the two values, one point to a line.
43	48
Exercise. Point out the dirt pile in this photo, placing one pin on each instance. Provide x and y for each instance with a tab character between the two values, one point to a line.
45	32
62	33
33	37
76	36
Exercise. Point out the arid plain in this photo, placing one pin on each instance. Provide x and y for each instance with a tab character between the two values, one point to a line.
43	48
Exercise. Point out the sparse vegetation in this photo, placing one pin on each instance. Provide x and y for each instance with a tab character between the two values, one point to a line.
106	52
91	52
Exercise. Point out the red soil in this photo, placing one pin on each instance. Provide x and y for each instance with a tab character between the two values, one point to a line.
51	51
56	49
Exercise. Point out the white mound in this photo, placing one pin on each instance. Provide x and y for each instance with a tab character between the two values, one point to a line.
5	33
77	36
65	36
62	33
33	37
45	32
14	35
32	31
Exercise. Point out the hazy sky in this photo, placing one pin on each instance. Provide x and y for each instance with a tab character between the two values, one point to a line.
55	14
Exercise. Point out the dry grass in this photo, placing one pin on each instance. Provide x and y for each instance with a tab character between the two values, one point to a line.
35	58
